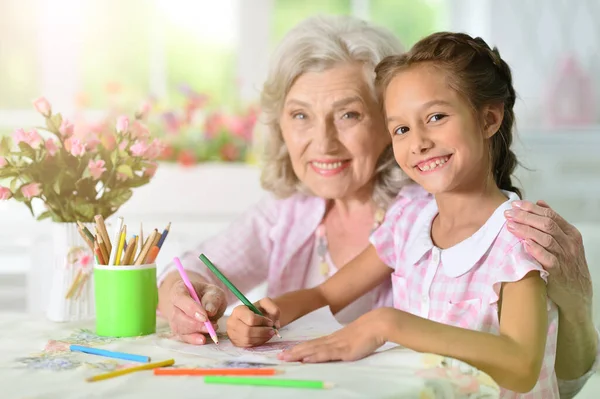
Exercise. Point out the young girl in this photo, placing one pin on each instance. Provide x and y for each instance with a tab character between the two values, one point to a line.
464	286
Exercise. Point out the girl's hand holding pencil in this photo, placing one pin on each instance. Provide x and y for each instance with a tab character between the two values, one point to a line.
245	328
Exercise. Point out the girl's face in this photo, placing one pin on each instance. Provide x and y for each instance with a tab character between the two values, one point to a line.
436	136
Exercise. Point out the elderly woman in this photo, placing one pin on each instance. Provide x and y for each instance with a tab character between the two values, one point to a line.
330	168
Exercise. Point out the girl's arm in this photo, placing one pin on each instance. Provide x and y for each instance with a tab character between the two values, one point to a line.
339	290
513	358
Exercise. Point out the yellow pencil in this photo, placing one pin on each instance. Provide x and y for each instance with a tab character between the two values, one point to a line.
121	245
147	366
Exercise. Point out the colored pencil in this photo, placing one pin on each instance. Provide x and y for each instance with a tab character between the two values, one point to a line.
232	287
103	249
116	373
163	237
141	238
98	252
120	246
182	371
142	256
85	231
103	233
116	236
129	251
86	239
268	382
194	295
107	353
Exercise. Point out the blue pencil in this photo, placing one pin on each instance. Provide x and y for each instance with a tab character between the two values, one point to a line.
103	352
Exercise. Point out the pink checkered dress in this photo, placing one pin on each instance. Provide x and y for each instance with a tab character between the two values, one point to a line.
460	285
274	242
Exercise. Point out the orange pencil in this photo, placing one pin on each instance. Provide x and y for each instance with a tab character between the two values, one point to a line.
145	249
182	371
98	252
154	248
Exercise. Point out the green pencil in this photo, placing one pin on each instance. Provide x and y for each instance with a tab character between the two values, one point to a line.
232	287
267	382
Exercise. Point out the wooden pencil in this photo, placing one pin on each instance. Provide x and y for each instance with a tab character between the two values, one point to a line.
129	251
120	246
89	242
98	252
144	253
103	233
103	249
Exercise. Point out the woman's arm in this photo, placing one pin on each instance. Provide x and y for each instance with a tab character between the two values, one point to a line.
339	290
558	247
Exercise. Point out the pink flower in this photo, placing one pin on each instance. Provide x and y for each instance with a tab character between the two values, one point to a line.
66	128
77	148
123	145
85	260
139	149
144	110
154	150
51	147
151	170
108	141
4	193
31	190
3	162
122	124
42	106
32	138
139	130
122	176
214	123
96	168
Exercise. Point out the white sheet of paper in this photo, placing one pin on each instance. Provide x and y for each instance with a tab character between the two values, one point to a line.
314	325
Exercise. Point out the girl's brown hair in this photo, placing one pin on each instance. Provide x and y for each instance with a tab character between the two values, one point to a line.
478	74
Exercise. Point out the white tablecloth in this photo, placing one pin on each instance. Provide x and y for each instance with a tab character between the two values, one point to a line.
35	364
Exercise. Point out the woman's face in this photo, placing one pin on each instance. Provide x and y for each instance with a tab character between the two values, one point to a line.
334	131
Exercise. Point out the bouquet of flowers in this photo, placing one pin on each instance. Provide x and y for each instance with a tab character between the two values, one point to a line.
76	171
196	133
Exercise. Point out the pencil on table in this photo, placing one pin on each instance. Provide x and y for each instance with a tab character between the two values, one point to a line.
120	246
116	373
103	233
116	236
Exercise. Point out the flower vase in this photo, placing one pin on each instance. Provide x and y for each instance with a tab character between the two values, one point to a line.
72	293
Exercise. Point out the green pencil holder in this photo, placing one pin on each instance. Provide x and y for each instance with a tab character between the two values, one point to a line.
126	298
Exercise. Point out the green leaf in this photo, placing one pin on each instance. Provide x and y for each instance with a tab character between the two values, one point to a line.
27	151
53	123
5	144
44	215
85	210
56	186
118	197
138	182
13	185
126	170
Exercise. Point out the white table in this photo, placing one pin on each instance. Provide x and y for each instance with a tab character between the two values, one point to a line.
29	371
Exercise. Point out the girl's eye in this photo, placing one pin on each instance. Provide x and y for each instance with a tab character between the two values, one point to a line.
401	130
299	115
437	117
350	115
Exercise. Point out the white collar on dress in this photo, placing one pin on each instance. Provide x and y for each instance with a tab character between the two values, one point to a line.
460	258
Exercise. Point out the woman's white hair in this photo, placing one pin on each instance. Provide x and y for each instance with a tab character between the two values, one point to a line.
316	44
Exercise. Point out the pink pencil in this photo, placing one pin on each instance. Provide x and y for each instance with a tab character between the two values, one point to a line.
192	291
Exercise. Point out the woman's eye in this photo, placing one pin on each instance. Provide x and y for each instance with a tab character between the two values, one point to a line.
299	115
437	117
350	115
401	130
